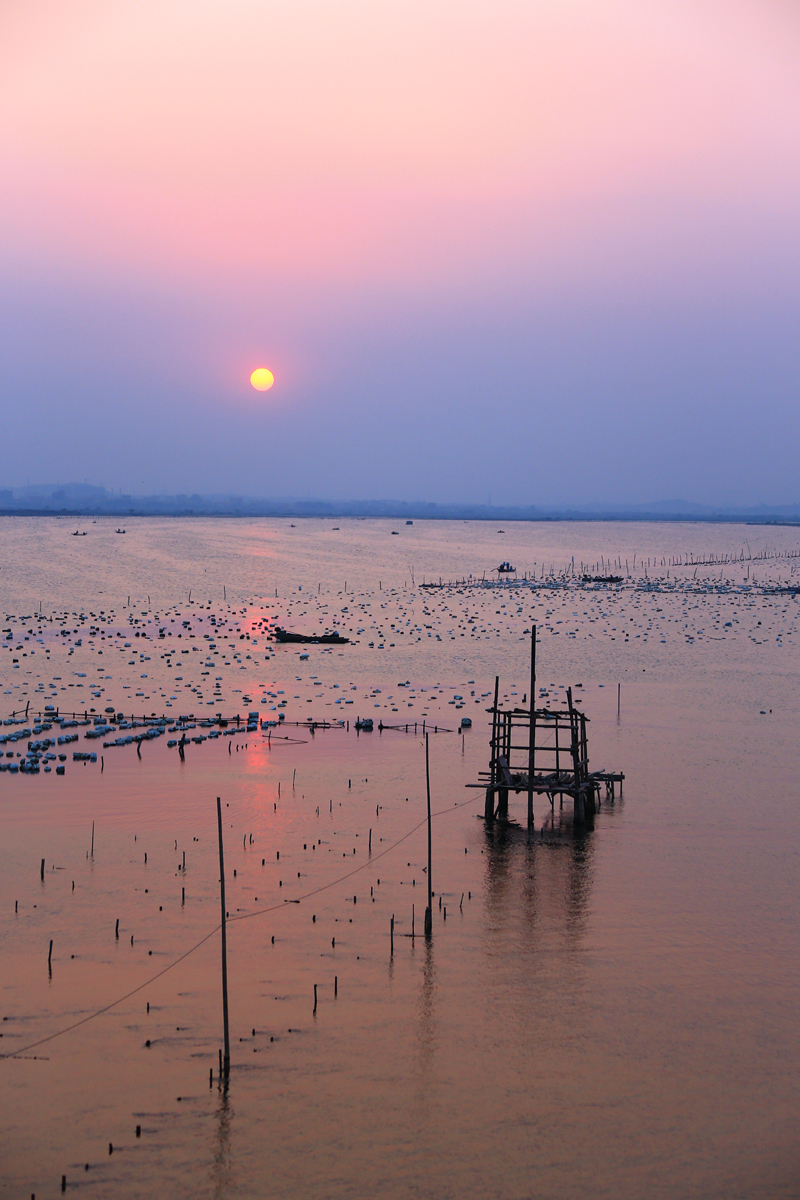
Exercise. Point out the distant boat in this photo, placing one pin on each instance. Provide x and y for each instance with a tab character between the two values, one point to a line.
120	531
330	639
78	534
505	568
409	522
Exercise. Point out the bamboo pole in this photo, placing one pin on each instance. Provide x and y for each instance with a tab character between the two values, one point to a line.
490	793
579	809
226	1062
532	729
429	909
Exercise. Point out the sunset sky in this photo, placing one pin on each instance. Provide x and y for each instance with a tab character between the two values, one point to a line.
523	251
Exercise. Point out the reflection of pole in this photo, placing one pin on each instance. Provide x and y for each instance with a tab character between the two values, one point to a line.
226	1062
221	1161
429	909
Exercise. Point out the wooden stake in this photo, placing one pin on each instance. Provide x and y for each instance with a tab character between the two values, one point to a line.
578	801
226	1062
429	909
490	791
532	729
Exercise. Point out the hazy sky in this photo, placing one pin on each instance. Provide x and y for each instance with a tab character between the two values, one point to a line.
518	249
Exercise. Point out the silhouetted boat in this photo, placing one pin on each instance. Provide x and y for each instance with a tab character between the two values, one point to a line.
505	568
328	639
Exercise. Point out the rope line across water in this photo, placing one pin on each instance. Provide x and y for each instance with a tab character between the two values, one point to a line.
244	917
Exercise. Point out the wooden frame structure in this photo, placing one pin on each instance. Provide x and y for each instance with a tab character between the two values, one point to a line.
542	751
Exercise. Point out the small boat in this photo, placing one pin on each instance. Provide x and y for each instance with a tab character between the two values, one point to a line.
364	723
327	639
78	534
409	522
505	568
120	531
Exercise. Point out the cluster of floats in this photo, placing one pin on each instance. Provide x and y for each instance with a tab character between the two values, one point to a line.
44	753
366	725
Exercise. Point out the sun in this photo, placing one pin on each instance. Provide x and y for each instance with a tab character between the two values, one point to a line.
262	379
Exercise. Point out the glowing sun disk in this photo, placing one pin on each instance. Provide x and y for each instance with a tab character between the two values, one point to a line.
262	379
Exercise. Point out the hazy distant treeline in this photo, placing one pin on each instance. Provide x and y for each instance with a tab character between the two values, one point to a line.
84	499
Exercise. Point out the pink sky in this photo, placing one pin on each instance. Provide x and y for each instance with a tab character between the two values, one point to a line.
427	154
316	138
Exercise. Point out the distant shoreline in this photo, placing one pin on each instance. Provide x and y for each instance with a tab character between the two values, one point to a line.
411	512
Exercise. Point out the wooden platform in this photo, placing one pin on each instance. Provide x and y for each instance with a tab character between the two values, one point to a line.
542	751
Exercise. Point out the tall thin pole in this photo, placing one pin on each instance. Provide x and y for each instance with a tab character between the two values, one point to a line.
490	791
226	1061
579	806
429	909
493	763
532	729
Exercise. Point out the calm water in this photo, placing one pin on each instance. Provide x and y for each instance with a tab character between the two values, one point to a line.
610	1013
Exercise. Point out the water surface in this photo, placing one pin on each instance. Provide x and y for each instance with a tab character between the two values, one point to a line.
609	1012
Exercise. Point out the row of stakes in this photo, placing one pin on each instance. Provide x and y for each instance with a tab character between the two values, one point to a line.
224	1058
